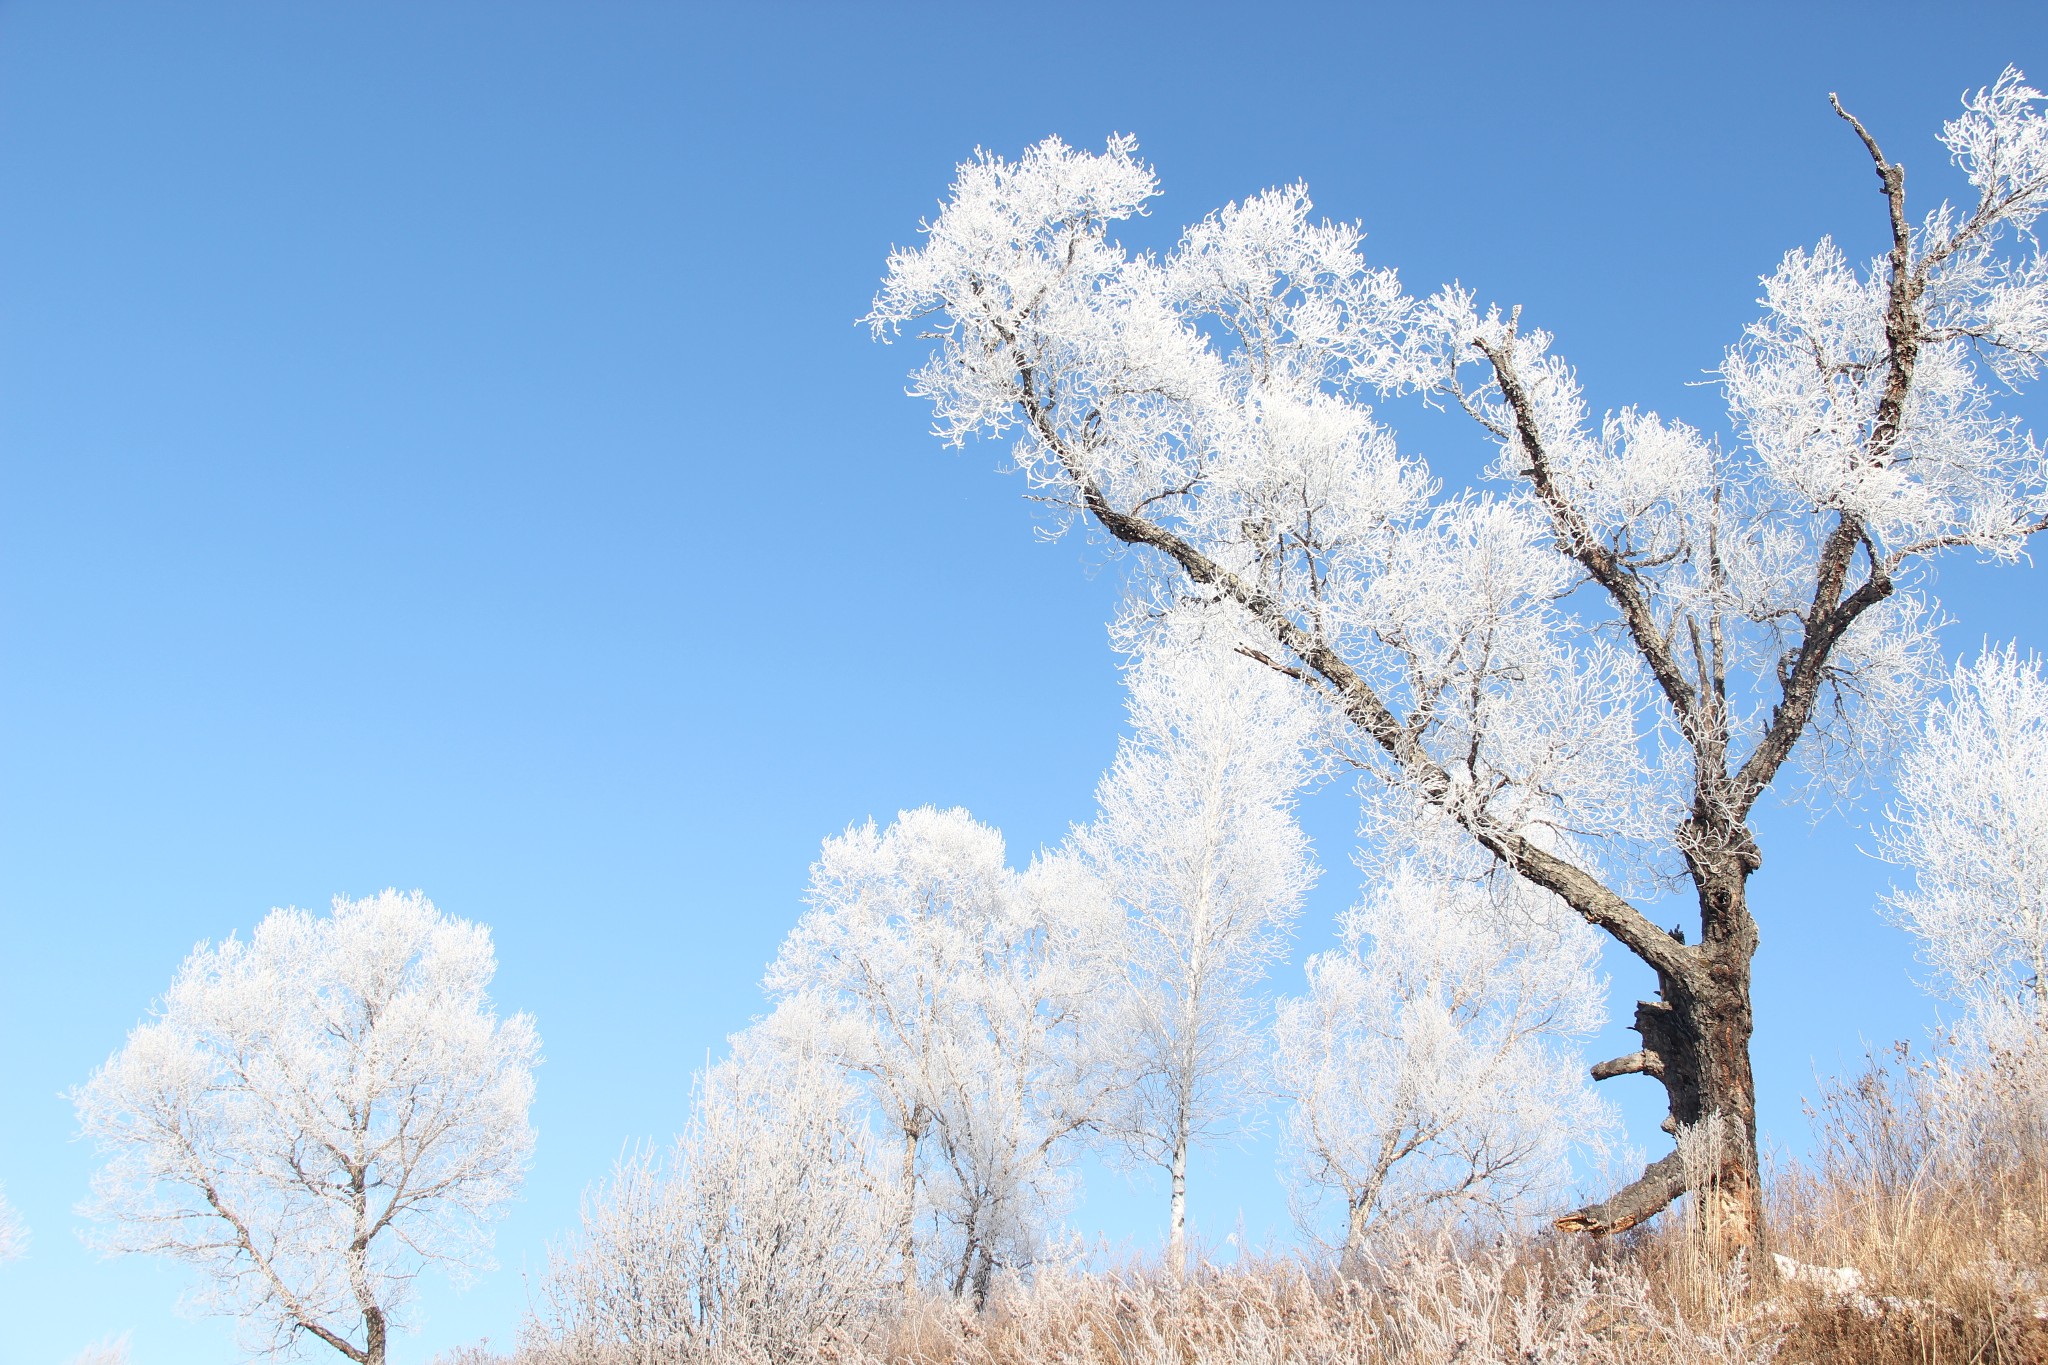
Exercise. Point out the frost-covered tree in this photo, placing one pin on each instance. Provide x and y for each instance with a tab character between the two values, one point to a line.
314	1116
762	1231
896	917
1018	1079
1971	822
1434	1064
1630	635
1197	844
928	968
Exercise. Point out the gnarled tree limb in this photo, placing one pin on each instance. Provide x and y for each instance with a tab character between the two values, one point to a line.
1644	1063
1651	1193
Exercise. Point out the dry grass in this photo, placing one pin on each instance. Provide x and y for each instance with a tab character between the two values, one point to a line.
1931	1184
1917	1236
1641	1302
1649	1300
1426	1306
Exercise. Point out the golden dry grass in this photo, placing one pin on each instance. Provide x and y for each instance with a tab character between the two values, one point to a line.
1917	1235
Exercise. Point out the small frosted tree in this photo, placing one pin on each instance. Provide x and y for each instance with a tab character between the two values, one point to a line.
1638	631
1433	1064
314	1116
764	1229
1197	844
1971	822
942	979
1017	1078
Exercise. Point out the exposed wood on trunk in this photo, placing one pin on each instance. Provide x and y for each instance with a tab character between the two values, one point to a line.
1645	1061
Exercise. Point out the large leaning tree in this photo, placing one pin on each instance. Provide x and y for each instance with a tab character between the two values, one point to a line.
1601	661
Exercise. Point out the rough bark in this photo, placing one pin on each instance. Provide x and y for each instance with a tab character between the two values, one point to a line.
984	1276
359	1257
373	1336
1696	1044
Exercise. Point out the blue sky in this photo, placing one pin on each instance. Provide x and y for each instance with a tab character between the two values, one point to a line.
438	452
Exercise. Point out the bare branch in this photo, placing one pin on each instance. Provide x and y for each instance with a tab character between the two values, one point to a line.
1892	177
1650	1194
1642	1063
1621	583
1579	888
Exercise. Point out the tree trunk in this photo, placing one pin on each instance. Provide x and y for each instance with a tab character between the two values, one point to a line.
984	1275
971	1250
907	1234
1351	1261
1696	1042
1177	1218
359	1254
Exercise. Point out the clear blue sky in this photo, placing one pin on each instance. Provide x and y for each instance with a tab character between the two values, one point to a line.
438	452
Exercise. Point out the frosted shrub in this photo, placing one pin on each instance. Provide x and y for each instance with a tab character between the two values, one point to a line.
757	1236
943	986
1433	1065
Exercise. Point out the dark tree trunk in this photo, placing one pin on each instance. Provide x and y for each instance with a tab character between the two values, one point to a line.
984	1276
1696	1043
